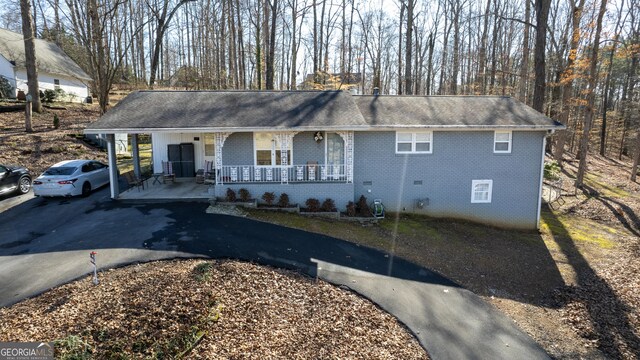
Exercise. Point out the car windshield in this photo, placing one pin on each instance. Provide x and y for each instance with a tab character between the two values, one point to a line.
62	170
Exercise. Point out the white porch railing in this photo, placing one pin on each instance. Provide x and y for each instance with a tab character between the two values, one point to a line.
230	174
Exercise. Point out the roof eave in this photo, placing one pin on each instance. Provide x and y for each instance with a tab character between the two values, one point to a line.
331	128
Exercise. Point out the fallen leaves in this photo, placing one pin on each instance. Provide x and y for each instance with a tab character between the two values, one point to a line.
208	310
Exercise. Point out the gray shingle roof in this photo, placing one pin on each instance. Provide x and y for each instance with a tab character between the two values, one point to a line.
235	110
450	111
147	111
50	58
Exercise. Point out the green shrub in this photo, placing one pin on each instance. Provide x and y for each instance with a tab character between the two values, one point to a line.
313	205
52	95
551	170
268	198
283	201
231	195
328	205
202	271
56	121
244	194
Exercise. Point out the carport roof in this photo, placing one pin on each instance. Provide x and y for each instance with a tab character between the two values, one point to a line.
238	111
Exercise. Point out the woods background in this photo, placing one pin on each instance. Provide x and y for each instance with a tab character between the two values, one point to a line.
574	60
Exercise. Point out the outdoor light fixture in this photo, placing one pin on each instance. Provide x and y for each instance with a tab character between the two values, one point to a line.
317	136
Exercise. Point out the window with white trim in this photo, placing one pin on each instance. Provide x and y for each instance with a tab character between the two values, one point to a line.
56	84
481	191
414	142
267	150
502	142
209	144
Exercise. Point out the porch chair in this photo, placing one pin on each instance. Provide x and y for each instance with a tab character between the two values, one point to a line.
167	172
133	180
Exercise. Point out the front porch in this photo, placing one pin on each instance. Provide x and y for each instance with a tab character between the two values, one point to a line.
184	189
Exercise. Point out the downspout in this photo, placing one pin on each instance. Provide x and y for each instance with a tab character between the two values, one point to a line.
113	166
544	144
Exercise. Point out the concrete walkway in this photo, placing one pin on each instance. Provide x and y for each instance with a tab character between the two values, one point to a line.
47	243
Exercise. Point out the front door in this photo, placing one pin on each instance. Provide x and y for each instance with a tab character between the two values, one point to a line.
335	155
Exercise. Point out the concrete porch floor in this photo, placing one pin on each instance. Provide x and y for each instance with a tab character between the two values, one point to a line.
185	189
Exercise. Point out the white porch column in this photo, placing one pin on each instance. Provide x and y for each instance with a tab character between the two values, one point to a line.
284	138
135	152
113	166
347	136
219	139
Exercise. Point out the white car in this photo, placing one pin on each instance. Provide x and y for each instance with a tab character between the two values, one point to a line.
71	177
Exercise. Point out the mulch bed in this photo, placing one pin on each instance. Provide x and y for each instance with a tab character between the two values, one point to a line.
208	310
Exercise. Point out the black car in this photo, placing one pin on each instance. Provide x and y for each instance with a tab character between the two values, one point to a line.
14	178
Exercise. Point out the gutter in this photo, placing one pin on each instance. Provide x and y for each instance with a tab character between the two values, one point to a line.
547	128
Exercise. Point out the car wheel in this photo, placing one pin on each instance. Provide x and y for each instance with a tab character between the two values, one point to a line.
86	189
24	185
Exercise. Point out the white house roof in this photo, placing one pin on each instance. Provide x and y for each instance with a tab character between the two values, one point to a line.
49	57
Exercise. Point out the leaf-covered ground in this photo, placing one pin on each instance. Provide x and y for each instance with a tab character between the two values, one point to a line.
208	310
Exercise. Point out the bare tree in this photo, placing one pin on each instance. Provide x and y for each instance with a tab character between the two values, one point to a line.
163	18
542	14
591	97
567	79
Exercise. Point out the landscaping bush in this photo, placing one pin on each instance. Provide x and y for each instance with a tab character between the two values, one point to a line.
6	90
551	170
56	121
268	198
328	205
52	95
362	208
283	201
244	194
313	205
351	209
231	195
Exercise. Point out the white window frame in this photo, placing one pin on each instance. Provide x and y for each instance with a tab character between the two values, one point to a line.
275	147
414	142
495	141
56	86
475	183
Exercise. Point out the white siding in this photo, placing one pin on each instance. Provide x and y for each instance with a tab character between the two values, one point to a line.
160	141
6	70
76	89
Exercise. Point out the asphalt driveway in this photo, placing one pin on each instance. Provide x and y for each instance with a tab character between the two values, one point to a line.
45	243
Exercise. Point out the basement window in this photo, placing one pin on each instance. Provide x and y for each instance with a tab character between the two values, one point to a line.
481	191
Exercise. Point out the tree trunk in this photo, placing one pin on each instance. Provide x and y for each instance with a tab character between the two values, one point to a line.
400	77
567	81
636	159
542	14
408	79
272	46
524	67
30	58
482	53
456	8
591	98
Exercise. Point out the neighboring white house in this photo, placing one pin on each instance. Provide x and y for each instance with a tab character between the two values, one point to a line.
56	70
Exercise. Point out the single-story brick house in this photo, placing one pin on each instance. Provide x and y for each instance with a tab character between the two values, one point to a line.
473	157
